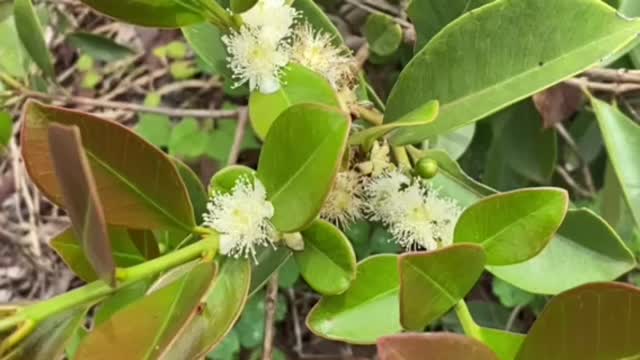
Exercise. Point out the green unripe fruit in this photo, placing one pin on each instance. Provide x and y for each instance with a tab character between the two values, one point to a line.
427	168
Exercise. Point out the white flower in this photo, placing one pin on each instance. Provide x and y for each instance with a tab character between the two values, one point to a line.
315	50
272	18
413	212
242	217
256	60
345	203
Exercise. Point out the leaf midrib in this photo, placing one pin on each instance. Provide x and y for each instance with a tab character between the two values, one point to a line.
487	243
137	191
304	165
437	285
163	326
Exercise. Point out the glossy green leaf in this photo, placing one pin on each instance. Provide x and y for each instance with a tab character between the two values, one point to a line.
505	344
622	139
299	85
224	180
523	53
206	41
299	161
367	310
195	188
80	198
422	115
156	13
431	16
124	251
223	307
48	340
509	295
383	34
269	260
31	35
99	47
433	282
584	250
328	262
138	185
148	326
595	321
436	345
515	226
221	138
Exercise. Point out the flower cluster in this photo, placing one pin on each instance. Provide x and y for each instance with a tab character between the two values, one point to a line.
412	210
242	217
268	41
345	202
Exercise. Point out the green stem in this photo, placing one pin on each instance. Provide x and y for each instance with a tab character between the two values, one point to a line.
469	326
373	117
97	290
400	153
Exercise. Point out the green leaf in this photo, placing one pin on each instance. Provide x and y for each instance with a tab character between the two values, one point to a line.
6	130
138	185
6	9
195	188
224	180
422	115
154	128
288	274
156	13
437	345
99	47
509	295
299	161
454	143
631	8
383	34
523	53
125	253
433	282
431	16
50	337
528	148
176	50
187	139
268	261
30	33
80	197
328	262
299	85
622	139
13	58
223	307
515	226
206	41
228	348
367	310
584	250
505	344
239	6
595	321
221	138
147	327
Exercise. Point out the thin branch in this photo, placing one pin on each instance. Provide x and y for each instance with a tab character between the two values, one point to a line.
243	118
373	10
78	100
572	183
614	88
270	316
584	166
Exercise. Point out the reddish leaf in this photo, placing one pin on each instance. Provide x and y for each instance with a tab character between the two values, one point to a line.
80	197
558	103
139	185
432	346
145	242
595	321
145	329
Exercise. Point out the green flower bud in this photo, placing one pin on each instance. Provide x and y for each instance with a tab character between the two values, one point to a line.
427	168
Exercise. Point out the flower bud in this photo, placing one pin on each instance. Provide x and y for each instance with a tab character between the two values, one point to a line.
427	168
